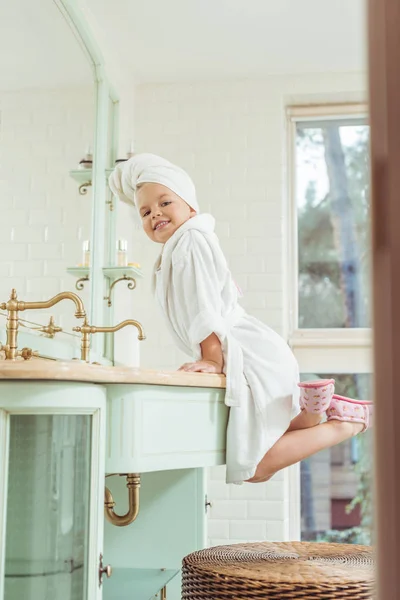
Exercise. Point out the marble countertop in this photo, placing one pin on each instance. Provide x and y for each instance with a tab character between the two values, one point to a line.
48	370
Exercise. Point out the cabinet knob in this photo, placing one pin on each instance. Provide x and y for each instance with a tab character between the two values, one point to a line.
106	570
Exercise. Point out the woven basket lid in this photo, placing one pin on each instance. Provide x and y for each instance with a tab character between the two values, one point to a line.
299	563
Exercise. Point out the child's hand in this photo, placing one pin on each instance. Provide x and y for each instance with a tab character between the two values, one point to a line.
201	366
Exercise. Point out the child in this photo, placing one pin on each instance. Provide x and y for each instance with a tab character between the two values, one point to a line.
194	287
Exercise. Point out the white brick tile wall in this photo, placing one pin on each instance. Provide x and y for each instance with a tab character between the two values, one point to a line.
266	510
218	529
231	137
43	135
229	509
276	530
248	529
35	269
218	490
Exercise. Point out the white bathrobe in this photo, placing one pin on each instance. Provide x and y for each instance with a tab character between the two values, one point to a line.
199	297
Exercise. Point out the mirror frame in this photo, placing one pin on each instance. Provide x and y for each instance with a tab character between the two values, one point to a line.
106	134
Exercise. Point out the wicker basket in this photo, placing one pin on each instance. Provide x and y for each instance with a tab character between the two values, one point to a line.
295	570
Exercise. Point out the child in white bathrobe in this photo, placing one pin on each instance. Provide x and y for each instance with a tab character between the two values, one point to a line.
270	427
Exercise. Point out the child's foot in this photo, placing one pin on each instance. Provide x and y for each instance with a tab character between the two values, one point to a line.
351	411
316	396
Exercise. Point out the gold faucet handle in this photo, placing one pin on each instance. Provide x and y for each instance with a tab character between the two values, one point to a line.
51	329
85	328
27	353
80	329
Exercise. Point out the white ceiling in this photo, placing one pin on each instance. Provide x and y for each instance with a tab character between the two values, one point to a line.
37	47
181	40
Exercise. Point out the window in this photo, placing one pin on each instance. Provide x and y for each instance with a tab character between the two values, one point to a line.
333	206
330	305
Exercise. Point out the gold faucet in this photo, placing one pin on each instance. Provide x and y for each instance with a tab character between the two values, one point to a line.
13	306
87	329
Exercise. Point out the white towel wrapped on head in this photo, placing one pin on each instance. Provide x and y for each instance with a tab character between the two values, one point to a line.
150	168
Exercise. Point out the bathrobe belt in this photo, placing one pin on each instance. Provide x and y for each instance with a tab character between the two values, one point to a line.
235	381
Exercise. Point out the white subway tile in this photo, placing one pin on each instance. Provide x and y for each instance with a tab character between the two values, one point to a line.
72	251
254	300
269	210
229	509
25	234
218	529
56	268
247	491
264	282
47	216
6	269
217	473
233	247
26	195
14	251
222	229
247	264
44	251
19	283
274	489
275	531
262	246
43	286
217	490
246	530
6	232
14	216
31	268
266	510
68	234
255	228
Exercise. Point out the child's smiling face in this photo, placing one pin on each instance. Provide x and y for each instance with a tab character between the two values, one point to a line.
161	210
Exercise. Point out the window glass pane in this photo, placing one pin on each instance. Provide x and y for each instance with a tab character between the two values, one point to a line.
336	499
333	210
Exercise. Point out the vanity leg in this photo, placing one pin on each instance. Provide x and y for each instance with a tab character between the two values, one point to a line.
164	593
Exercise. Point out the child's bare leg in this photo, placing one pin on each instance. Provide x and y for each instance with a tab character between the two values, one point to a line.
299	444
304	420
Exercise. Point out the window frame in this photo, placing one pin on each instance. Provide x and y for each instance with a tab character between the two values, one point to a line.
318	350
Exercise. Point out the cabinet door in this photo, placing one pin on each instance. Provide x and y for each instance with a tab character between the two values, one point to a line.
54	490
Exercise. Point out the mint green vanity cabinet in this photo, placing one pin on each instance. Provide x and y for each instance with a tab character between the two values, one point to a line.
52	485
171	523
62	441
167	433
158	427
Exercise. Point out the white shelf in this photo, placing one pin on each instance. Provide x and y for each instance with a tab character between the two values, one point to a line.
109	272
117	272
78	271
85	175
